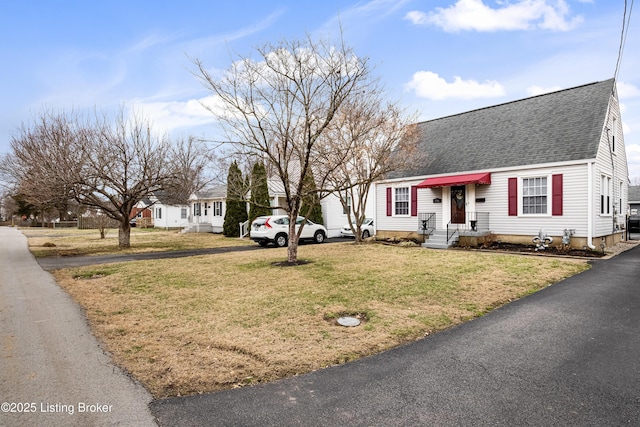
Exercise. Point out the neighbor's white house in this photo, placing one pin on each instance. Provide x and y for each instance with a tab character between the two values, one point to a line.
208	208
334	215
554	162
159	211
166	214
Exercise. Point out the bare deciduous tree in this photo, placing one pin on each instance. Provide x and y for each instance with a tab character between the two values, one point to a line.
123	162
375	138
43	159
279	107
105	164
192	161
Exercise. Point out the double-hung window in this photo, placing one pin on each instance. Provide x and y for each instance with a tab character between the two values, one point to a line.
401	201
534	196
605	195
346	209
217	208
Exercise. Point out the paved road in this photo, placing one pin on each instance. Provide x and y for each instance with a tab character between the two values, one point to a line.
568	355
50	364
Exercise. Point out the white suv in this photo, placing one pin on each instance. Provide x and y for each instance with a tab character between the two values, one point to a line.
275	229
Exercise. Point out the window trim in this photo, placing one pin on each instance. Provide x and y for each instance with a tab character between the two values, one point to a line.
548	196
609	186
407	201
216	207
614	132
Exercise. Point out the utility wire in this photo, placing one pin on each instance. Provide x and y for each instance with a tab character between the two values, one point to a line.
626	19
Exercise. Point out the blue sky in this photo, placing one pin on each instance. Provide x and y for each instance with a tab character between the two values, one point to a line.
436	57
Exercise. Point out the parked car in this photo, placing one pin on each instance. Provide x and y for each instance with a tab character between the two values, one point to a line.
367	229
275	229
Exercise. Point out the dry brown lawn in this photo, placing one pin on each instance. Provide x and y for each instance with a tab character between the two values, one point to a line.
207	323
45	242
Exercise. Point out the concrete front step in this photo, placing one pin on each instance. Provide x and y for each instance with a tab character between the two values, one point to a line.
438	240
198	228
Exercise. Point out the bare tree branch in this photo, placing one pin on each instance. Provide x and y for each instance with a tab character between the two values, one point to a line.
277	109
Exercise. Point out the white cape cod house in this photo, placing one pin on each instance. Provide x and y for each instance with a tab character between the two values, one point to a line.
554	163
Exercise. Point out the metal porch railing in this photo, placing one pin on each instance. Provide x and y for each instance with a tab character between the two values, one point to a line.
474	221
426	222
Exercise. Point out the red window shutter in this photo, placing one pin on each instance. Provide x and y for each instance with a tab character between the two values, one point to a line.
389	202
513	196
414	200
556	194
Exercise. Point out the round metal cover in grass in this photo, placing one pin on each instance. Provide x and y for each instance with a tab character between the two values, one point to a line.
348	321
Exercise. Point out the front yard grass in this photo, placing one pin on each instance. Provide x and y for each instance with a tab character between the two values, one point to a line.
44	242
213	322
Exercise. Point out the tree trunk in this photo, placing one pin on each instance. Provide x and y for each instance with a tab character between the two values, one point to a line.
124	234
358	233
292	249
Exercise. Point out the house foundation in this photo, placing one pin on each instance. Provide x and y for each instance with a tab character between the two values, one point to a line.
475	239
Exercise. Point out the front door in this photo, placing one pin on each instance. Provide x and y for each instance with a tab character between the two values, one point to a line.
458	199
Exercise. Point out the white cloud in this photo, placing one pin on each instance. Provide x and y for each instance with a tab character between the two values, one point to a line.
627	90
427	84
633	160
539	90
474	15
170	116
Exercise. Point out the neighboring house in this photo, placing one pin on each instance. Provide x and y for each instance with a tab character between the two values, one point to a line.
141	214
634	209
554	162
207	210
167	214
334	215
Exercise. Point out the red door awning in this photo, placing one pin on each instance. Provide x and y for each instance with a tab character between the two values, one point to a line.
448	181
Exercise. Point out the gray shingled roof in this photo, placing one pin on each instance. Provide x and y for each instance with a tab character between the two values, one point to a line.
554	127
634	193
216	192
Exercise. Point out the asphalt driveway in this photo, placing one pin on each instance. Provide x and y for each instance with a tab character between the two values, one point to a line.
567	355
53	372
55	263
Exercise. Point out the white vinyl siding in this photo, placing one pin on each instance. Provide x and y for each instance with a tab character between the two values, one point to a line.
170	216
495	197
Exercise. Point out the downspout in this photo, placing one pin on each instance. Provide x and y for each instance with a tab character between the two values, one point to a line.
590	206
